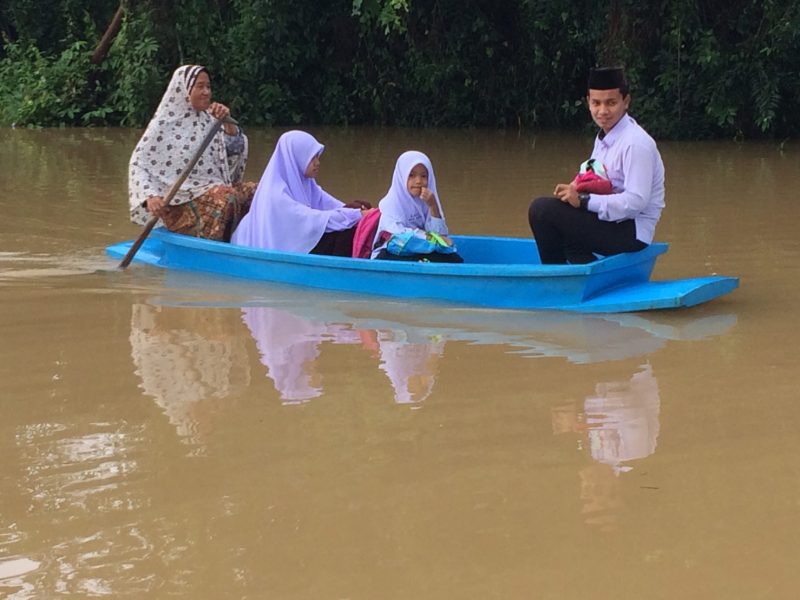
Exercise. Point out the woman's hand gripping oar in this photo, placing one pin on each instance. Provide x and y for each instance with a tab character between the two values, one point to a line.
174	189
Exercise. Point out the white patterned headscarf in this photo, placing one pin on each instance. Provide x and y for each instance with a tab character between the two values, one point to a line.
168	144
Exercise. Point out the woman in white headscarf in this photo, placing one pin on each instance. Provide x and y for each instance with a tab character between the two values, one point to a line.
291	212
213	198
412	214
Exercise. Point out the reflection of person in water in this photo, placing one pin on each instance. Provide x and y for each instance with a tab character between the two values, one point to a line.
188	360
411	366
600	495
622	420
288	346
618	424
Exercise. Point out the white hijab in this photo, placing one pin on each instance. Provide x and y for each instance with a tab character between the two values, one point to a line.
290	212
400	210
167	145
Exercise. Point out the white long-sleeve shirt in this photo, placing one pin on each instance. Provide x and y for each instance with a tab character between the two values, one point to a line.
634	166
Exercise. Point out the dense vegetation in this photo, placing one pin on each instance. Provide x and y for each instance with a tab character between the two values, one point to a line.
699	68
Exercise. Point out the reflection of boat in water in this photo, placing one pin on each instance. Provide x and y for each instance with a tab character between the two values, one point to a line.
576	337
290	326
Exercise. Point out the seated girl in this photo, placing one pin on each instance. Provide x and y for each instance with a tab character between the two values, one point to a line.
412	226
213	198
291	212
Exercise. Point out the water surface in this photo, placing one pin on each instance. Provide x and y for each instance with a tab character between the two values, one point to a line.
177	435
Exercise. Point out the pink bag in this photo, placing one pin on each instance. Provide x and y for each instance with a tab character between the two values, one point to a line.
592	178
365	233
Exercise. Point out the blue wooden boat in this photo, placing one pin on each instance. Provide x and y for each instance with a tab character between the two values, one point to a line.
579	338
497	273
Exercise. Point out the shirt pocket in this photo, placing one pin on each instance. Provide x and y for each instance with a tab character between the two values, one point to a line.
615	173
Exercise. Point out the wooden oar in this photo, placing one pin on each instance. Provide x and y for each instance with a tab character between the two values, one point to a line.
174	189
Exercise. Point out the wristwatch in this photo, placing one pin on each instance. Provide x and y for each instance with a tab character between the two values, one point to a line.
584	199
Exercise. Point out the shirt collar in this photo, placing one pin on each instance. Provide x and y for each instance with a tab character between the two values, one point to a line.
609	138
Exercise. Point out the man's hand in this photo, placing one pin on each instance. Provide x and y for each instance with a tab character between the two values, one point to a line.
567	192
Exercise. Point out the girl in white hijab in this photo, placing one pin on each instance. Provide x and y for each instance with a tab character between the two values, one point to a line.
411	208
291	212
213	198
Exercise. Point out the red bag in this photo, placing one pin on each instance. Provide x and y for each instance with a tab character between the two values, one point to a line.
592	178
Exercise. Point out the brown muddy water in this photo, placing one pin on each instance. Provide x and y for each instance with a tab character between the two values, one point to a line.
173	435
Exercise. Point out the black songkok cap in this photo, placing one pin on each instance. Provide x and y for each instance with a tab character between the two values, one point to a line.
606	78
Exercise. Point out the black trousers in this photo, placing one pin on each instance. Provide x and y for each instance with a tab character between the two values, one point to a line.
336	243
567	234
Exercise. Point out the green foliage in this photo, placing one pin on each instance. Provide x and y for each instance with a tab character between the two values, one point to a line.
698	69
52	25
133	80
714	68
388	15
40	90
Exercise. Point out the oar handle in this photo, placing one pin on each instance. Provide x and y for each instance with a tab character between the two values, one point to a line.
175	187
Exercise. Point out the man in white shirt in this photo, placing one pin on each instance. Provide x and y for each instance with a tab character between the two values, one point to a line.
577	227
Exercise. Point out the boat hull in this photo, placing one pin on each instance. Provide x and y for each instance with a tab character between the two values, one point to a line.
497	273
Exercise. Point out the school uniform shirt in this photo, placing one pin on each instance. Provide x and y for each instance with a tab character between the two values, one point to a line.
634	166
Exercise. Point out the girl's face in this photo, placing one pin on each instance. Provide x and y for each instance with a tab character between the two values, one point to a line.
312	170
417	179
200	96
